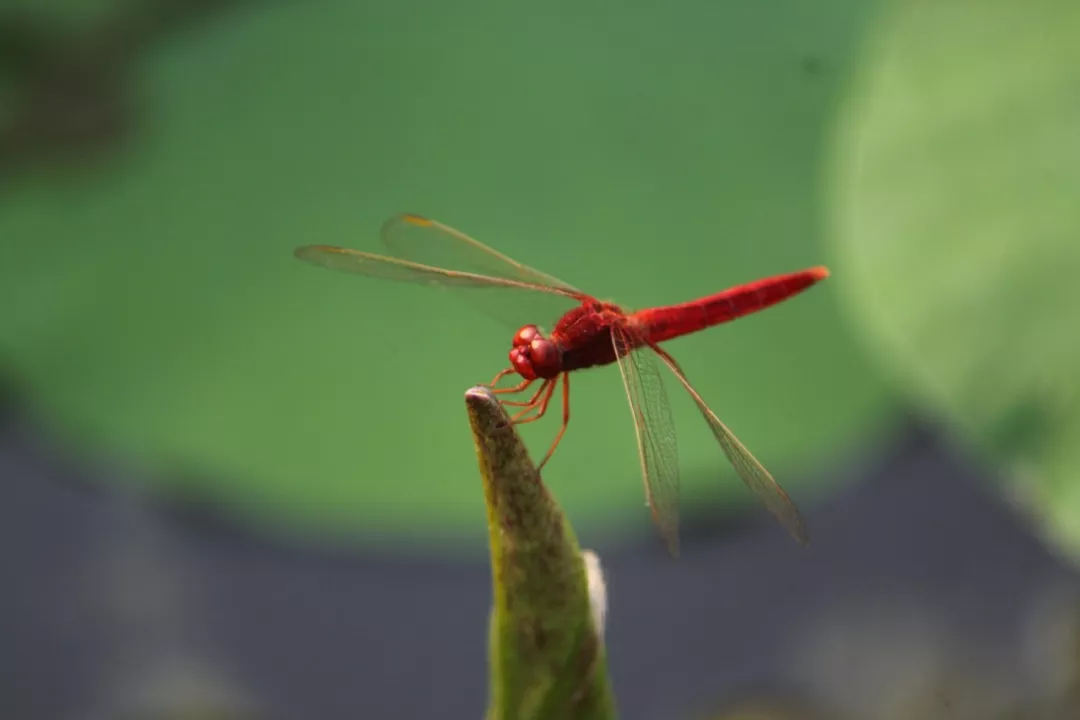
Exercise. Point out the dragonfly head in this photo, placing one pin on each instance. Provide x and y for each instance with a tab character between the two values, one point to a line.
535	356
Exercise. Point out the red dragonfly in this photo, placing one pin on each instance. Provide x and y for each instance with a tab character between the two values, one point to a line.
588	333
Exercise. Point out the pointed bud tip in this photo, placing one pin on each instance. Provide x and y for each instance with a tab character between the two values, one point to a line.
479	392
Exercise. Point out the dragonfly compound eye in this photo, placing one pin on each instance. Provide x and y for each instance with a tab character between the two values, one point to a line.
526	335
522	363
546	358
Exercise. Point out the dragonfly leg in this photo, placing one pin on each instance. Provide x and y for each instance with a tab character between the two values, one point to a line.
565	420
520	387
517	419
515	389
537	408
499	376
540	407
531	402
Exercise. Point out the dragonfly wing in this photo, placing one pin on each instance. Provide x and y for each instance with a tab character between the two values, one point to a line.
390	268
430	253
752	472
655	430
419	239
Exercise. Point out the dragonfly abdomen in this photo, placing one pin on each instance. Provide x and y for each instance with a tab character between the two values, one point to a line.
672	321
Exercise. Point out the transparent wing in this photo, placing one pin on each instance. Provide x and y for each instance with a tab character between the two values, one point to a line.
429	242
756	477
655	430
429	253
389	268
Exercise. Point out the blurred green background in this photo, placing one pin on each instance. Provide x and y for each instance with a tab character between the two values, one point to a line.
652	160
648	154
160	159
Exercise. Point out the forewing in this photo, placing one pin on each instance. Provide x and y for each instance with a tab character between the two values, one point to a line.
756	477
390	268
430	242
655	430
427	252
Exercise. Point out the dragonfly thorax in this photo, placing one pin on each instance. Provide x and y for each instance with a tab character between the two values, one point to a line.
535	356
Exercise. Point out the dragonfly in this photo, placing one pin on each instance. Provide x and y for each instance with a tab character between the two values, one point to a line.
587	333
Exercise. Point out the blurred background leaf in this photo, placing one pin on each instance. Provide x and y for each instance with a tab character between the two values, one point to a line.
958	229
161	314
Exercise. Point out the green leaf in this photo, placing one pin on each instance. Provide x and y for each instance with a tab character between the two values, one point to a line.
958	228
546	649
